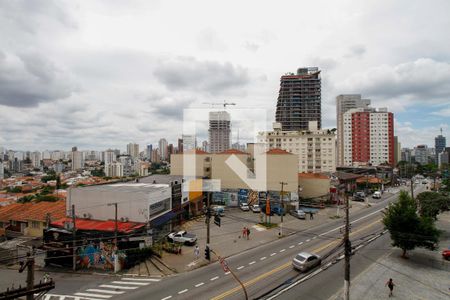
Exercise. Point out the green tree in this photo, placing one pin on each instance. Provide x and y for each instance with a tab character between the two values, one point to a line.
26	199
407	229
431	204
58	182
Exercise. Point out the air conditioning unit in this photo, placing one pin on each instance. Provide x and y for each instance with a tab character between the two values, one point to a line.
87	216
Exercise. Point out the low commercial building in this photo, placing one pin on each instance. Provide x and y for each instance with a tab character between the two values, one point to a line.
313	185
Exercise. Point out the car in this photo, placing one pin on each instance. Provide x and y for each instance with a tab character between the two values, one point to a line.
446	254
376	195
244	207
218	210
255	208
274	210
359	196
298	213
305	261
183	237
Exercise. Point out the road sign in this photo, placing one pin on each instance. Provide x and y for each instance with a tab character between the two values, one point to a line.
217	220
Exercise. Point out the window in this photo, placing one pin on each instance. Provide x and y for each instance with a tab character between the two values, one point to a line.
35	224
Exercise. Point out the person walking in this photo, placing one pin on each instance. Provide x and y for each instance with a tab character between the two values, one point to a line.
311	215
197	252
244	232
390	284
248	233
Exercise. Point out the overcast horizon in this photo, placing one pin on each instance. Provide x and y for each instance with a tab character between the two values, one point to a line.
102	74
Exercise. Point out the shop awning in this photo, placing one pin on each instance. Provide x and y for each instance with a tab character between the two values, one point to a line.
163	219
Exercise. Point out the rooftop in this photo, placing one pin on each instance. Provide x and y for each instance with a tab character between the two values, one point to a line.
312	176
126	187
233	151
277	151
97	225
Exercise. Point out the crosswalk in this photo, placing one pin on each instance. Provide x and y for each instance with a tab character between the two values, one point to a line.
106	290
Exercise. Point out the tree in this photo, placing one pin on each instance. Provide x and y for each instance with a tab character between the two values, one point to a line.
58	182
431	204
407	229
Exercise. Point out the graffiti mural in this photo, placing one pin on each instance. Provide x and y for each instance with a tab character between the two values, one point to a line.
99	256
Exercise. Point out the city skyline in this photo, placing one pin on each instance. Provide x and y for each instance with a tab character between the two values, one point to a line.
98	84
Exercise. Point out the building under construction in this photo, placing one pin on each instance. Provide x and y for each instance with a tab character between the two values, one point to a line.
219	131
299	99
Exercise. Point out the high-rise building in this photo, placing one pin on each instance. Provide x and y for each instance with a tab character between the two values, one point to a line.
205	146
343	104
421	154
368	137
219	131
316	148
180	146
189	142
163	149
109	156
155	156
148	152
299	99
397	151
170	151
2	170
36	159
133	150
77	159
114	169
439	145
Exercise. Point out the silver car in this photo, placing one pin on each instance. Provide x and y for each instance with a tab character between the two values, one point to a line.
298	213
305	261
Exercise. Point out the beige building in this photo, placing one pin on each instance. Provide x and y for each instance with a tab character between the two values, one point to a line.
315	148
281	167
222	171
198	163
313	185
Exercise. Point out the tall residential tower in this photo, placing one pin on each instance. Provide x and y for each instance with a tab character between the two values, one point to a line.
219	131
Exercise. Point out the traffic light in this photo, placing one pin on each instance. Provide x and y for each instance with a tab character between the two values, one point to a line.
207	253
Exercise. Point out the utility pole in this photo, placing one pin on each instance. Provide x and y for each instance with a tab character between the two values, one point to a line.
115	223
30	275
74	237
282	206
348	251
208	219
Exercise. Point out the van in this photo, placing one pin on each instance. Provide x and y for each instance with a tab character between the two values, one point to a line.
376	195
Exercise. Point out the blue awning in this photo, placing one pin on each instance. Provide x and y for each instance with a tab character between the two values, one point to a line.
161	220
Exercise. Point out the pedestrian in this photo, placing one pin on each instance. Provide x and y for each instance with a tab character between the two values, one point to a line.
197	252
311	215
248	233
244	232
390	284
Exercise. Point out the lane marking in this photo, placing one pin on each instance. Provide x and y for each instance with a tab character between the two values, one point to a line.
142	279
314	237
226	273
300	243
131	282
252	262
199	284
291	246
263	258
166	298
282	250
286	265
183	291
105	291
214	278
308	240
93	295
241	267
118	287
273	254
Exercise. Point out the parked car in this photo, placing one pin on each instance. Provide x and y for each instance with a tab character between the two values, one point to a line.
274	210
359	196
255	208
218	210
182	237
244	207
298	213
446	254
376	195
305	261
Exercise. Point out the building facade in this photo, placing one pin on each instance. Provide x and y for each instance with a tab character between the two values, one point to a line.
114	169
163	153
421	154
439	145
299	99
315	148
219	131
133	150
77	160
368	137
189	142
343	104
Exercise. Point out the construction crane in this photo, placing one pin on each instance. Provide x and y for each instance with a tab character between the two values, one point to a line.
224	104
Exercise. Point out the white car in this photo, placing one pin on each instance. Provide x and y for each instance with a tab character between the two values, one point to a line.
255	208
183	237
244	207
376	195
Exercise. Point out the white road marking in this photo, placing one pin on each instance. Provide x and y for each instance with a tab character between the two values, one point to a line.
226	273
308	240
282	250
291	246
166	298
131	283
105	291
314	237
252	262
93	295
183	291
273	254
241	267
199	284
118	287
300	243
263	258
142	279
214	278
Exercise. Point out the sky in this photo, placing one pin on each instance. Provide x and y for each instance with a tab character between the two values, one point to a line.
101	74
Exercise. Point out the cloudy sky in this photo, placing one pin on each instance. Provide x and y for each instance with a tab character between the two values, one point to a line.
100	74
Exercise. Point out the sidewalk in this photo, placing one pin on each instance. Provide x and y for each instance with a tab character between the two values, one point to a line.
227	239
425	275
